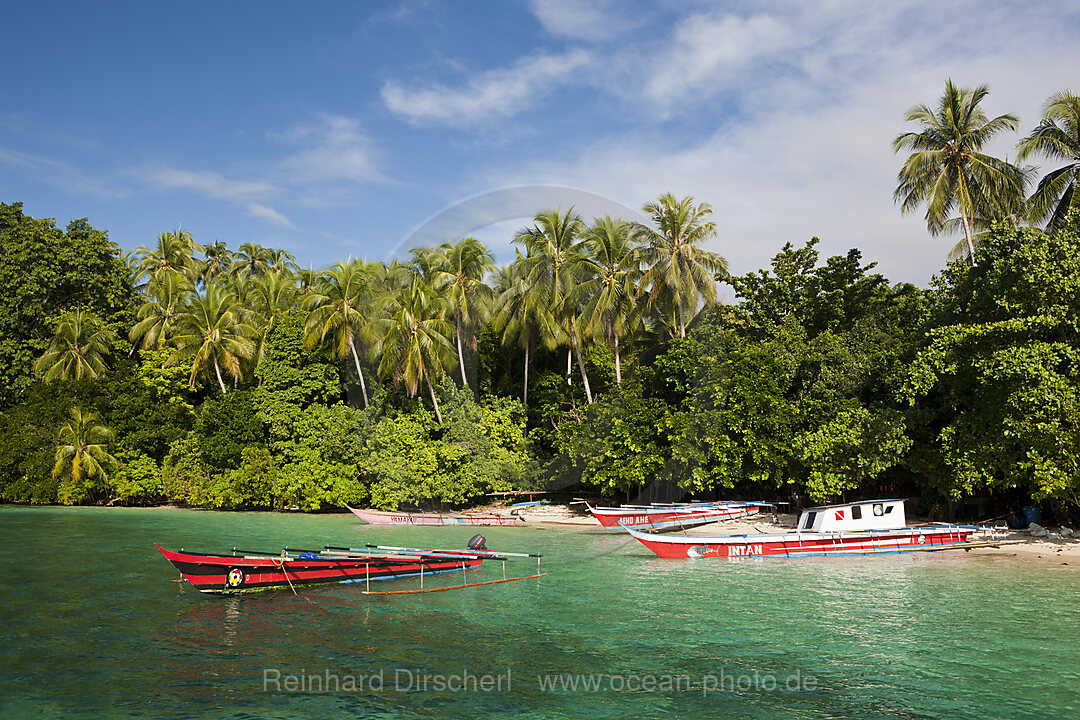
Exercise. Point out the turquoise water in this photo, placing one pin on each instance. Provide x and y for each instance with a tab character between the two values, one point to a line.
93	625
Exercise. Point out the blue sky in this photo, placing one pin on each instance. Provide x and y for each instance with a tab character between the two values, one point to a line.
343	128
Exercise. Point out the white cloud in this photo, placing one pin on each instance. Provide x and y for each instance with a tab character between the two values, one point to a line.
269	214
208	183
60	174
334	148
579	19
707	53
490	96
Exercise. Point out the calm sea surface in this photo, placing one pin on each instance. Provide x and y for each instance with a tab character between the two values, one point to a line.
93	625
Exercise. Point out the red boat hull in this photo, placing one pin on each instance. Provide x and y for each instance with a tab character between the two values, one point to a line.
661	518
236	574
806	544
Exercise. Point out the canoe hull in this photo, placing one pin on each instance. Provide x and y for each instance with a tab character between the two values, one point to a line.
795	544
242	574
376	517
670	518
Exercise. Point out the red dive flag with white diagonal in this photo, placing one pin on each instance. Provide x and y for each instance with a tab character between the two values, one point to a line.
839	514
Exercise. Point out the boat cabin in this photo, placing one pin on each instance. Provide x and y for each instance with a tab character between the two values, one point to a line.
865	515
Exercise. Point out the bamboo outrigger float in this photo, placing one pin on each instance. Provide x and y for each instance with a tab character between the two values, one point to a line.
246	571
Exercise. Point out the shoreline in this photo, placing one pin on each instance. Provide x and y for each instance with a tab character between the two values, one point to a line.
1022	547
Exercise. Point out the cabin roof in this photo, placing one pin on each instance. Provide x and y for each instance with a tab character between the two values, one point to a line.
854	502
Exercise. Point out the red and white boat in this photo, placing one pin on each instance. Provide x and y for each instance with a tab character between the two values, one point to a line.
677	516
860	528
378	517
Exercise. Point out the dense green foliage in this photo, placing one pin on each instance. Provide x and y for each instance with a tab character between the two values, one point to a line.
599	357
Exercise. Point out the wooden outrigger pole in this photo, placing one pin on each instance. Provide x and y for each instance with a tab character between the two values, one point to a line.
425	552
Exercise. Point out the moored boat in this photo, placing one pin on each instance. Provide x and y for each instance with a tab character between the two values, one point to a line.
250	571
859	528
675	516
379	517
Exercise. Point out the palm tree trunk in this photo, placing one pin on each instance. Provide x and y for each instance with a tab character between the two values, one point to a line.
967	234
356	360
431	389
217	371
525	392
682	322
618	366
569	363
580	362
461	355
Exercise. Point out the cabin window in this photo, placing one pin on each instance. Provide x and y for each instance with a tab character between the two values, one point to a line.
888	509
856	512
809	522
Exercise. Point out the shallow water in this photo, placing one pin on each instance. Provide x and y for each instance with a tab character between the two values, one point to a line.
93	625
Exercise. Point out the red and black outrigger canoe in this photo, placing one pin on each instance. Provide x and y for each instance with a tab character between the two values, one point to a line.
250	571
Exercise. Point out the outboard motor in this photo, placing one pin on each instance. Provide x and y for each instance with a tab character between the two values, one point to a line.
478	542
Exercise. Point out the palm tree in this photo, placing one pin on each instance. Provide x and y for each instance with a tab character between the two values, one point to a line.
273	295
553	264
946	168
281	261
251	260
679	272
414	340
461	274
211	336
81	454
78	349
158	315
172	255
522	317
217	259
1056	137
341	308
609	295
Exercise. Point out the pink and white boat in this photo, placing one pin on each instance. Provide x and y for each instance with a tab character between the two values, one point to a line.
860	528
679	516
378	517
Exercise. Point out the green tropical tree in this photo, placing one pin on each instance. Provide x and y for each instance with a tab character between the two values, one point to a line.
172	255
1057	137
281	261
307	280
273	295
679	273
251	260
78	348
946	168
81	455
158	315
553	264
609	296
216	260
521	316
462	271
341	308
211	335
414	340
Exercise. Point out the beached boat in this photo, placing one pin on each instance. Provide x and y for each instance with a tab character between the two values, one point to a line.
378	517
674	516
860	528
250	571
